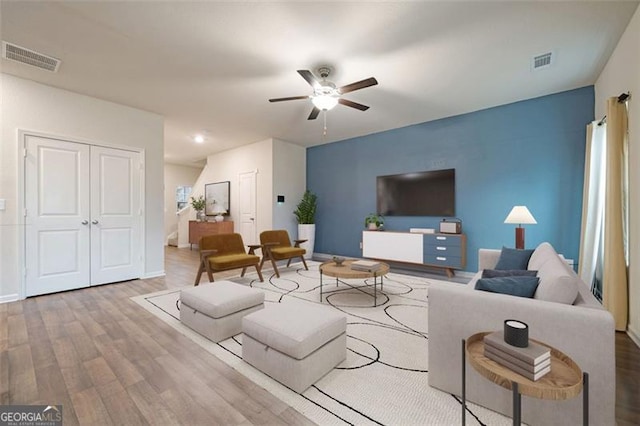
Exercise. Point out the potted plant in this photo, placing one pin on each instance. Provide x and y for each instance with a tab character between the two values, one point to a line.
198	205
305	214
374	221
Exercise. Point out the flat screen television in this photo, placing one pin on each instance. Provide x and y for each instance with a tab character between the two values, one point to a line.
428	193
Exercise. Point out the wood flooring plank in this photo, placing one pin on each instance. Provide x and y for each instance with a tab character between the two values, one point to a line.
41	349
223	412
23	388
126	372
89	408
17	330
85	348
52	391
150	404
99	372
119	405
65	352
5	393
76	379
184	407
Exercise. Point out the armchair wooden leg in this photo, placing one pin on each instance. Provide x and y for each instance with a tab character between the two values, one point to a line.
243	271
199	274
275	266
288	262
209	272
304	263
258	270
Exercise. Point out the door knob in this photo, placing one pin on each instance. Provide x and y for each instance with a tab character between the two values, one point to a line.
95	222
85	222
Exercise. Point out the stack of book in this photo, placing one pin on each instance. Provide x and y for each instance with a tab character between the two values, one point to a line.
532	362
365	265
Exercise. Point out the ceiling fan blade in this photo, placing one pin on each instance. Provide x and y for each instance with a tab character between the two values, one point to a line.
311	79
291	98
352	104
314	114
358	85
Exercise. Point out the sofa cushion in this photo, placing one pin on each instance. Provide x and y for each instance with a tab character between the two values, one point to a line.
513	259
521	286
495	273
557	282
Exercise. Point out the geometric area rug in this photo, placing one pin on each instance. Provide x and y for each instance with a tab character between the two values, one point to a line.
384	379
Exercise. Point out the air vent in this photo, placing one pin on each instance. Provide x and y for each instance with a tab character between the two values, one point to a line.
16	53
542	61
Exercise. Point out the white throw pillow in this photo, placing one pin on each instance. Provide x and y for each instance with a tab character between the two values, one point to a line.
557	282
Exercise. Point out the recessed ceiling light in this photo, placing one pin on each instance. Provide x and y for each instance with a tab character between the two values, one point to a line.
198	138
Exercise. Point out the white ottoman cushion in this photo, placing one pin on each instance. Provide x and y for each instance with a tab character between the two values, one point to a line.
295	344
216	310
221	298
293	329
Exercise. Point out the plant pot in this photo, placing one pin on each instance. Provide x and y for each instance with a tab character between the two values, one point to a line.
307	232
200	216
372	227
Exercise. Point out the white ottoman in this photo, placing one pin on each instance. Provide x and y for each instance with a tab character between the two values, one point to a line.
295	344
215	310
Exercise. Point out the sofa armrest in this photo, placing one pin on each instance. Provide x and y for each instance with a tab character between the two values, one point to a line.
488	258
587	335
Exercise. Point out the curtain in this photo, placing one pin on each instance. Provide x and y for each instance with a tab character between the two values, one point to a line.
615	281
593	198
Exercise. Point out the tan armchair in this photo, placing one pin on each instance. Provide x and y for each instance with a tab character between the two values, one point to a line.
277	246
223	252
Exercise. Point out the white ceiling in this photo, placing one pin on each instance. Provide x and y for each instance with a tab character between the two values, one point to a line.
211	66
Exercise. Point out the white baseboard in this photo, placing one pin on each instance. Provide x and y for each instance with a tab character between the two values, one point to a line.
153	274
634	335
9	298
184	245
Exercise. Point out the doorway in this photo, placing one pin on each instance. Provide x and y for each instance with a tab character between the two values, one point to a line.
83	215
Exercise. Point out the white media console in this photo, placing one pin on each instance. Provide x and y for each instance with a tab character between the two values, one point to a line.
446	251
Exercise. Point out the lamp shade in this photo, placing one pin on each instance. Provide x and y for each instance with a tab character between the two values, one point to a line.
521	216
324	102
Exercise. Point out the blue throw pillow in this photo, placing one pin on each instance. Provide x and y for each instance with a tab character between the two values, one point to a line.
513	259
521	286
493	273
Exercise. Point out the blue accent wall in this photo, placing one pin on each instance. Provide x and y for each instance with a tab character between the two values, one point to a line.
527	153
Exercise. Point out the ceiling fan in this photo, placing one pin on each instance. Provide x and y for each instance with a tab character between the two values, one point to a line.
326	95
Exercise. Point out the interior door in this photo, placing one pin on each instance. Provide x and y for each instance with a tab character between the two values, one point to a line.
57	255
247	197
115	215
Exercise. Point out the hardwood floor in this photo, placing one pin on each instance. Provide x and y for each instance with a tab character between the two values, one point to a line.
108	361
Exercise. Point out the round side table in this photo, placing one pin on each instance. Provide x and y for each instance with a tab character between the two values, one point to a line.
564	381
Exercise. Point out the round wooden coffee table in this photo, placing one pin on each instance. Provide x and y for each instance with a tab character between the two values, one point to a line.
564	381
344	271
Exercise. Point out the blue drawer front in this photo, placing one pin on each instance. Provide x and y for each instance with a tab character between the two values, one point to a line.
442	240
442	250
443	260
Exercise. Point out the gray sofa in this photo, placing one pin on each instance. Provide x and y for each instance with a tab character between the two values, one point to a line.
582	329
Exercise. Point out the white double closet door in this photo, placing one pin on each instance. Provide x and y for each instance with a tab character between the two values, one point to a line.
83	215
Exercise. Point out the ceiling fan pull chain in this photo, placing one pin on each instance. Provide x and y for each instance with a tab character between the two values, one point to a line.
324	133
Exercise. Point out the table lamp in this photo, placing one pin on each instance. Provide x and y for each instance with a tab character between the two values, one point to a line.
520	215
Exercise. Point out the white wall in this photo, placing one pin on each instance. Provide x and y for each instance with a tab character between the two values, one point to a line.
290	180
27	105
622	74
174	176
227	165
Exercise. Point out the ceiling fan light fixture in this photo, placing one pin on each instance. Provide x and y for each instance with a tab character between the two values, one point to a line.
324	102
